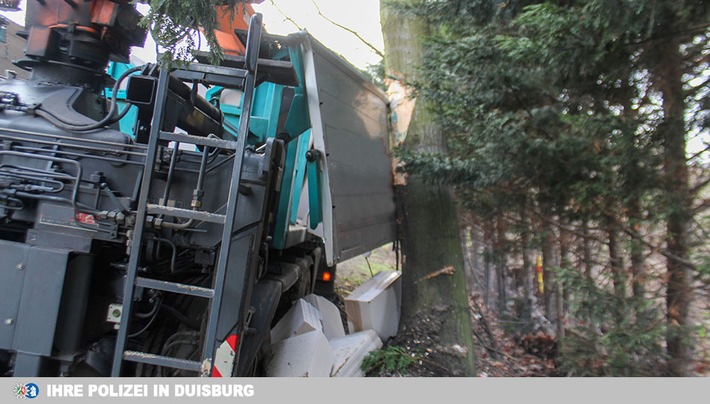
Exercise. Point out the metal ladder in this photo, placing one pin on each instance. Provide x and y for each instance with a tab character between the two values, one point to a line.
228	77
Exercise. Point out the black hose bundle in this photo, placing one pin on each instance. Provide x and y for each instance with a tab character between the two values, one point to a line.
109	119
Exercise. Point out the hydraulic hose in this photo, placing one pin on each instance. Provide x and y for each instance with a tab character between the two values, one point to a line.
108	119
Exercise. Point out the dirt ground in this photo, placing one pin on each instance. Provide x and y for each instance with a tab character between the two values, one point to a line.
497	355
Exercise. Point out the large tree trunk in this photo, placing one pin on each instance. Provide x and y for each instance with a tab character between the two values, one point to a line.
433	272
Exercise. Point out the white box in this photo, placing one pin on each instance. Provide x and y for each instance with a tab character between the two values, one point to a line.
300	319
351	350
376	305
332	320
305	355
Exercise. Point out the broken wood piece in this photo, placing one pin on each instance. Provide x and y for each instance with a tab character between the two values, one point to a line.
447	270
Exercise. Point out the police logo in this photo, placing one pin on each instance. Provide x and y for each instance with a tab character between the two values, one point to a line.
25	390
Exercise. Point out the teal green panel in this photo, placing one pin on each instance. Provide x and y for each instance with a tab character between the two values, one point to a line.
298	120
260	128
314	194
300	174
281	225
265	110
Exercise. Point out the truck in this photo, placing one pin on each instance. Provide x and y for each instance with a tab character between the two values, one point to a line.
159	221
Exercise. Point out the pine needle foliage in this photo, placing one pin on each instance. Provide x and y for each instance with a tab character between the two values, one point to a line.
175	25
392	360
599	342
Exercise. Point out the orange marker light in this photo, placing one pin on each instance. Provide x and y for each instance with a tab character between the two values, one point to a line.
327	276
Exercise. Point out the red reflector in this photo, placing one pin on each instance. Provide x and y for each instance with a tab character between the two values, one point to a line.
327	276
232	340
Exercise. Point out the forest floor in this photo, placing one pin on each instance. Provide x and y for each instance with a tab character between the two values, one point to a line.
497	353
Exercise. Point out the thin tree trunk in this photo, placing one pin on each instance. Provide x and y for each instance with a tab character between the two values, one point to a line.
617	271
586	251
468	257
638	270
548	277
475	258
487	253
678	292
561	292
527	272
501	248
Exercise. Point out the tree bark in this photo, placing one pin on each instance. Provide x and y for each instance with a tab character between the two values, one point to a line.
431	239
561	297
487	253
474	259
548	277
618	274
586	251
528	273
500	249
638	269
678	291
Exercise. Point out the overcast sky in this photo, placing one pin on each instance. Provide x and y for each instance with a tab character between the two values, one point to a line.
362	16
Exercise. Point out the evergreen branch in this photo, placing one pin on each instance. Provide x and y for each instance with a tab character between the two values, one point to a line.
374	49
571	230
675	34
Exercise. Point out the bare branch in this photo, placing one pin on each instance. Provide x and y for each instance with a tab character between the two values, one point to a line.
374	49
660	250
286	17
626	230
699	153
704	204
693	90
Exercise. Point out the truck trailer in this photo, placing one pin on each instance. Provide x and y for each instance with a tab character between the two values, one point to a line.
158	220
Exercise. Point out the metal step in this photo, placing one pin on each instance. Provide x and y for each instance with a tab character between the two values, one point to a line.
199	140
159	360
199	215
174	287
213	75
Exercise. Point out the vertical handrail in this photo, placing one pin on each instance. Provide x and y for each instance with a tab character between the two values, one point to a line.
136	250
251	62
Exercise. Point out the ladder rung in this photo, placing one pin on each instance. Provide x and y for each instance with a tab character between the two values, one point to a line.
159	360
173	287
198	140
199	215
